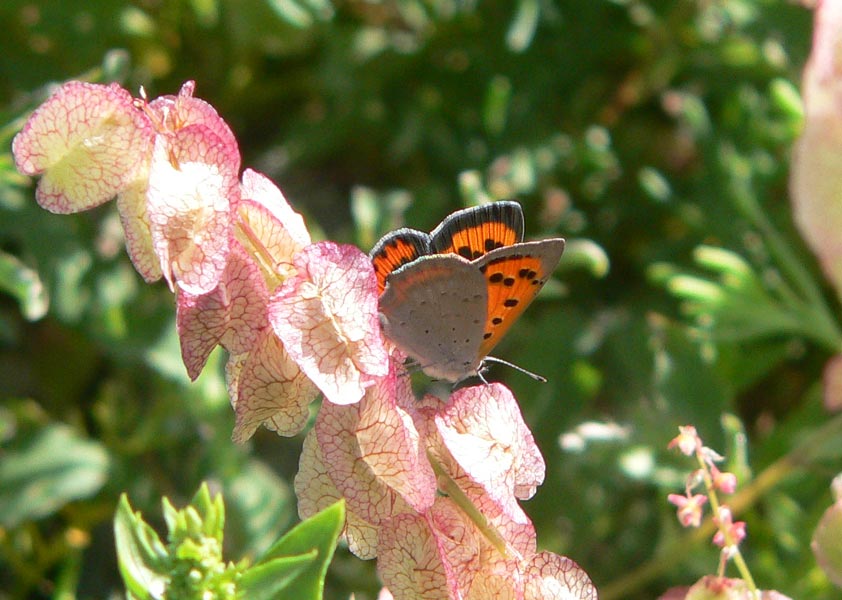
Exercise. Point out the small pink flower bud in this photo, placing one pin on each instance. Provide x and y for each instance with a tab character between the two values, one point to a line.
689	508
723	481
730	533
687	440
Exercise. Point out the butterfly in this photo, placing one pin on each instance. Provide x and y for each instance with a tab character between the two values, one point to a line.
448	297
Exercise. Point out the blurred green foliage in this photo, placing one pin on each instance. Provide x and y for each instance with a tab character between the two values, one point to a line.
639	130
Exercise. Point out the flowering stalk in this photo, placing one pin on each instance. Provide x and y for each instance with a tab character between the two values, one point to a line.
729	533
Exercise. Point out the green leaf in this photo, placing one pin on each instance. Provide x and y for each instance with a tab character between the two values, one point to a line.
497	97
141	555
207	12
48	469
211	512
270	579
292	13
320	533
587	254
522	29
25	285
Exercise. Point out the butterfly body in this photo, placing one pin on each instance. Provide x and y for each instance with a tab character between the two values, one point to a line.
447	298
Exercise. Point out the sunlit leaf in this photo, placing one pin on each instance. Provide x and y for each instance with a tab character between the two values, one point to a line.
140	552
25	285
319	533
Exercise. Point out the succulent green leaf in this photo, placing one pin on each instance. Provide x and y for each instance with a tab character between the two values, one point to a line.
320	533
141	555
269	579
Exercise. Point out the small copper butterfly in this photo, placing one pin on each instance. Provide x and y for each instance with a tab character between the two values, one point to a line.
448	297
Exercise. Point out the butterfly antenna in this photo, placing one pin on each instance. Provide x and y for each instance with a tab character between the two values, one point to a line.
500	361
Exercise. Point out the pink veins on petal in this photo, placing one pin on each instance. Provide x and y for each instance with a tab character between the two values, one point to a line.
192	185
409	560
269	227
87	141
367	496
483	430
459	543
234	314
391	445
326	316
315	491
553	577
270	390
174	113
134	216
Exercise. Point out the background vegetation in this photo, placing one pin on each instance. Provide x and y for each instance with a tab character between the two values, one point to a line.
637	129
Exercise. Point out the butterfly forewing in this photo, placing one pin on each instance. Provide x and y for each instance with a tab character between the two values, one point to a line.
395	250
472	232
514	275
434	311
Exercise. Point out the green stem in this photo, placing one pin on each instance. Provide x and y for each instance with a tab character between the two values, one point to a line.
69	574
449	486
742	567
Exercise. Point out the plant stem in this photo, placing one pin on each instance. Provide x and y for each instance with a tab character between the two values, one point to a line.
460	498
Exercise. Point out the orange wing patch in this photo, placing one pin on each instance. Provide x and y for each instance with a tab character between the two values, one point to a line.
473	242
473	232
395	250
514	277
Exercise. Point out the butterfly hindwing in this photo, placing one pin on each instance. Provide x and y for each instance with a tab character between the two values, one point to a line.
396	249
514	275
434	311
473	232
